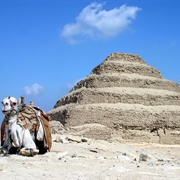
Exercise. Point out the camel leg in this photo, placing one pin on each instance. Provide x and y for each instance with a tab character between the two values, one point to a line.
28	152
29	146
6	144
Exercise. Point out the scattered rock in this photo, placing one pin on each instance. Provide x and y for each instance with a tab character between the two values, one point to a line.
63	154
61	140
98	160
74	156
160	160
84	140
143	157
94	150
74	139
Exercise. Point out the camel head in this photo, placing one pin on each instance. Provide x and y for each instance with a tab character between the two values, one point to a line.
8	104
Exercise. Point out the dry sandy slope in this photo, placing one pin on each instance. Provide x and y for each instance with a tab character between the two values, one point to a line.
95	159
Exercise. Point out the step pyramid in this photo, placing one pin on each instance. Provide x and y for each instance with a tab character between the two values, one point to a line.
122	99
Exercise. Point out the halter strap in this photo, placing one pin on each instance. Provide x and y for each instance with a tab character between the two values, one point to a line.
11	103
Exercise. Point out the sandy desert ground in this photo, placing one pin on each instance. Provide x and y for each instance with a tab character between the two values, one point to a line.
78	158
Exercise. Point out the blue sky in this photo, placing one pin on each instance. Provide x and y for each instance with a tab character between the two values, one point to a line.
46	46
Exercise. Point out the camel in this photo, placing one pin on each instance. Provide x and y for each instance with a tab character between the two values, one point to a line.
23	129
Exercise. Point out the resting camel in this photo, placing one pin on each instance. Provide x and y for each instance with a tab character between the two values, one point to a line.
24	129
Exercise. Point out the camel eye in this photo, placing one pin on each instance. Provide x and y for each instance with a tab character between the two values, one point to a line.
7	104
14	103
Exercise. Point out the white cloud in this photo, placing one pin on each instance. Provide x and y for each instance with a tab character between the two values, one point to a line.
33	90
96	22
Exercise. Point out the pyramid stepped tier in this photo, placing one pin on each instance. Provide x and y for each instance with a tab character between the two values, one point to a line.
121	95
120	115
126	67
145	123
126	80
122	99
125	58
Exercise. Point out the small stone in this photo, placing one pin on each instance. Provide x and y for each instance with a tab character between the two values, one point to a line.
160	160
64	141
143	157
61	155
74	156
94	150
84	140
74	139
58	139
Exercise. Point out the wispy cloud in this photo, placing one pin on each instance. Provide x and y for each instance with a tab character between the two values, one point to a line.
33	90
95	22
